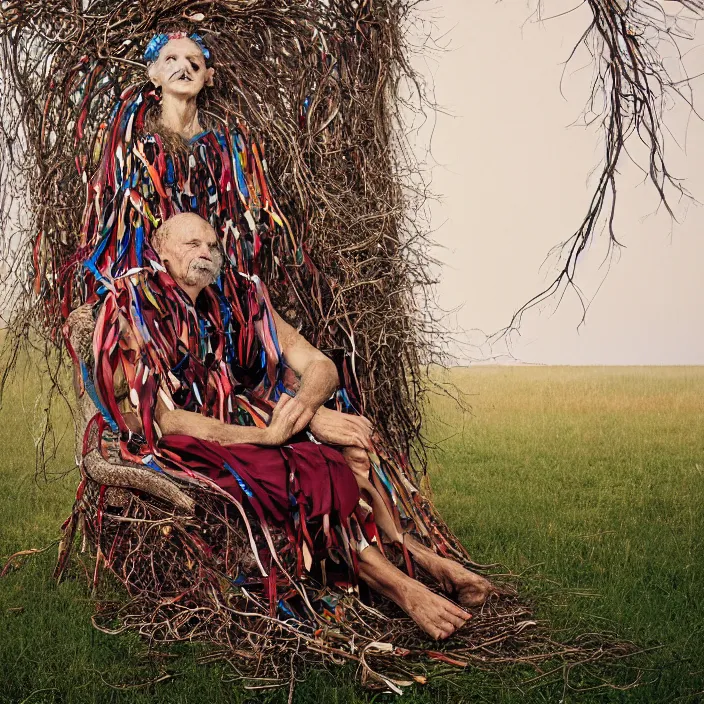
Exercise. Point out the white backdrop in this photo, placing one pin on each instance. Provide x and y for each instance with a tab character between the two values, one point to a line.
513	177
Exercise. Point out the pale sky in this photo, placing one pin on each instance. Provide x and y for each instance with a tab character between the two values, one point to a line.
513	177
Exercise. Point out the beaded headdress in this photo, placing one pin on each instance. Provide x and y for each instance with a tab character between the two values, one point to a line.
159	41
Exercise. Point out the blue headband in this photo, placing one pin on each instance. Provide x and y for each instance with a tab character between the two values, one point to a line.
159	41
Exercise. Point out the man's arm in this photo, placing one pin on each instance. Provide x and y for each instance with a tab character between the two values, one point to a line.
317	373
319	379
179	422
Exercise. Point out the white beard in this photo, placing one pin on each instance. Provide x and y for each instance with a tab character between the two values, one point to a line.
203	272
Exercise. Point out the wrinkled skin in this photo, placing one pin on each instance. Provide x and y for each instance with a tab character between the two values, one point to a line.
191	253
181	74
180	69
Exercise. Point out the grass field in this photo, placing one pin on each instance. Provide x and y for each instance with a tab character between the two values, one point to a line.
588	481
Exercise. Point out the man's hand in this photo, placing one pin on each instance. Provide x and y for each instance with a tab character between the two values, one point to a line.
335	428
290	417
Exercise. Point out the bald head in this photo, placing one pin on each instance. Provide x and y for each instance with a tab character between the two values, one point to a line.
188	248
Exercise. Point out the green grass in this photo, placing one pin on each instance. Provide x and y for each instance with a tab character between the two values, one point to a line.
586	480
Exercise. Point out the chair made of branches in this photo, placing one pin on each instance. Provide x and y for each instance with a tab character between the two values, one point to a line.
162	536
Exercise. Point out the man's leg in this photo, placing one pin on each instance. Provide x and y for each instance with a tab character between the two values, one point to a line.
437	616
470	589
358	461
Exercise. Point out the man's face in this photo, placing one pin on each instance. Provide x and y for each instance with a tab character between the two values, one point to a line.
189	250
180	69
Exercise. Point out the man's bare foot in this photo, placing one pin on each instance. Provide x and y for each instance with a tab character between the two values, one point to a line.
468	588
435	614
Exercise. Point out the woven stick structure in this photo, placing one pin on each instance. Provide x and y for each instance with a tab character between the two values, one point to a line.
318	82
184	577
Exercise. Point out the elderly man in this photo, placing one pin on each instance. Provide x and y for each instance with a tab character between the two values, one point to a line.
267	461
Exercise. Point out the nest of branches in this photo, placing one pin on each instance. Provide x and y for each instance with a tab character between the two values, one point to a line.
186	576
319	83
